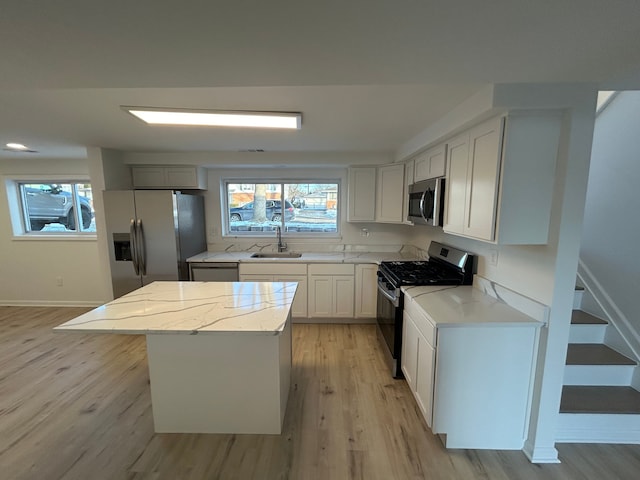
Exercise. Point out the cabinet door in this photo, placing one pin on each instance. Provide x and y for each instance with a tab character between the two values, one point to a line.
390	193
343	293
361	194
320	296
456	187
149	177
366	291
409	362
299	307
431	163
425	378
182	177
409	180
485	148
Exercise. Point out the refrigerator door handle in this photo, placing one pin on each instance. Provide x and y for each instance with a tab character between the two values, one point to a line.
134	246
142	248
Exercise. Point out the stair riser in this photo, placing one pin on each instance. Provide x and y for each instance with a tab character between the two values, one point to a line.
603	375
598	428
587	333
577	299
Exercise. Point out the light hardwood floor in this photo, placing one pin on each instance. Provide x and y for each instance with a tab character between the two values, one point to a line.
76	406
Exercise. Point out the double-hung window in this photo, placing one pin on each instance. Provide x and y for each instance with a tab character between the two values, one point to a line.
53	208
300	208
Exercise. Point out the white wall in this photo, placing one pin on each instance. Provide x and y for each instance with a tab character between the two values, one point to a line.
29	268
611	229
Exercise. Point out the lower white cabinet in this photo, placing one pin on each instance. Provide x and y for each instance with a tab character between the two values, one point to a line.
418	366
270	272
366	284
471	382
331	290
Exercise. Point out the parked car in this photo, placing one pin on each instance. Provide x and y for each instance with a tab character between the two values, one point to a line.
273	211
51	204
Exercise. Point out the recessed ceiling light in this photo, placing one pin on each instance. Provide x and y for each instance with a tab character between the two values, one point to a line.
215	118
17	146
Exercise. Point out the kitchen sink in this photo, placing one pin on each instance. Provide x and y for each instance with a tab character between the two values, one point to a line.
277	255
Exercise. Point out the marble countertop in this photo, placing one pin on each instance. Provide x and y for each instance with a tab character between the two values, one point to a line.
452	306
192	308
307	257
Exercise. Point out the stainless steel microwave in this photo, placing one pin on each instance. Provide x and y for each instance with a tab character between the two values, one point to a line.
426	202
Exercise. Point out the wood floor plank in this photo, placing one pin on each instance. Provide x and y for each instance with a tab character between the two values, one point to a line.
76	406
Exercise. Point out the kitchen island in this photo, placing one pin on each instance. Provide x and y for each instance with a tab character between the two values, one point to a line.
219	353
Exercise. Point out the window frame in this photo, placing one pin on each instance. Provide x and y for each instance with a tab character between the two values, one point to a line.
224	206
18	212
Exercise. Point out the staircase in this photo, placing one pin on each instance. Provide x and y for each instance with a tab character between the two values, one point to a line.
598	404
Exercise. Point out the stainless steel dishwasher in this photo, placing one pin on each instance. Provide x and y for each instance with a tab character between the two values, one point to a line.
213	271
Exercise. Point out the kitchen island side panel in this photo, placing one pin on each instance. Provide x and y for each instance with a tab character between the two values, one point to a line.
220	383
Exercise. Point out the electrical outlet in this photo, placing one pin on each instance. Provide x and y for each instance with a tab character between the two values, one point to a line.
493	257
364	232
59	281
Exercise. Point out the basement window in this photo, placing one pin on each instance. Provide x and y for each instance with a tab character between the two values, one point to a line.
304	208
44	208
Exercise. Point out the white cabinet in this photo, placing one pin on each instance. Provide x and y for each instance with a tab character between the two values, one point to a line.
390	193
430	163
361	202
418	359
408	181
331	290
472	383
500	178
366	285
271	272
168	177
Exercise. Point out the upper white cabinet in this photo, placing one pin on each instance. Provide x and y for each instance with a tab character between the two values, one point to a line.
169	177
390	193
500	177
376	194
361	203
430	163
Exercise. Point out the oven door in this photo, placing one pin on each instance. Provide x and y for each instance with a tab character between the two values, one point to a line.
389	321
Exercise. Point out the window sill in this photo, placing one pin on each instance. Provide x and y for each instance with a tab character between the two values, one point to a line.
56	238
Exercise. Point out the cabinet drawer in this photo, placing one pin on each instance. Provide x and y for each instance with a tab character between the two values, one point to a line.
331	269
273	268
422	322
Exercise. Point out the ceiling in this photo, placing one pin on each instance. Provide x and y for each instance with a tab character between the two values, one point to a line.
367	75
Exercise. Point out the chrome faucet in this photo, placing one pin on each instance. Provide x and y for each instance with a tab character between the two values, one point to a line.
281	246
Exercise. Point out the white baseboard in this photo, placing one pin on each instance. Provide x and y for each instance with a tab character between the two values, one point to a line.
341	321
540	454
51	303
598	428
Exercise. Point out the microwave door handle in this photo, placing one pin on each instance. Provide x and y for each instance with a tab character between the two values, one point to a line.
422	205
436	203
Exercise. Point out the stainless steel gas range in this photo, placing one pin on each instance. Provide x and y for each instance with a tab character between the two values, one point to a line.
446	266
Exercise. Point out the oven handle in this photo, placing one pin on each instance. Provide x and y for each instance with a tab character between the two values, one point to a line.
392	299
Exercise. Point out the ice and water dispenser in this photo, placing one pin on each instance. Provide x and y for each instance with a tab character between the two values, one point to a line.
122	247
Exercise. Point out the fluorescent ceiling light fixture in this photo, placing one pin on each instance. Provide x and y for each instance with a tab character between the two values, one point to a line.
17	146
214	118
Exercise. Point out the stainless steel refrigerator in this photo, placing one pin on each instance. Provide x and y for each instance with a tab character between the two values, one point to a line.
151	234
